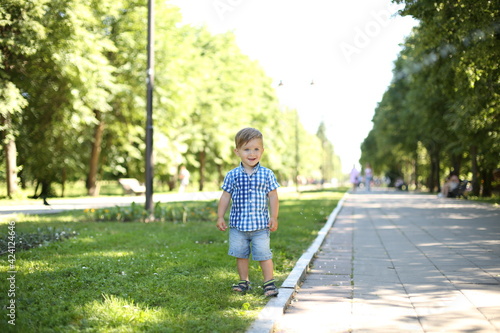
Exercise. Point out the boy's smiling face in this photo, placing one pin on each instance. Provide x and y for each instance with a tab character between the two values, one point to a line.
250	153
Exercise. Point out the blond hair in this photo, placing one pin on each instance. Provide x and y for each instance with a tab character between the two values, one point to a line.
245	135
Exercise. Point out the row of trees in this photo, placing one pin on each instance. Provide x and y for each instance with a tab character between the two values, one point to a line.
441	112
73	90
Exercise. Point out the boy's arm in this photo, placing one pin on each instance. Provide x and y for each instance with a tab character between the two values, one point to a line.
274	206
221	210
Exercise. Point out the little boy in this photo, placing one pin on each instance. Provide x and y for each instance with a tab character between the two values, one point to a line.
251	187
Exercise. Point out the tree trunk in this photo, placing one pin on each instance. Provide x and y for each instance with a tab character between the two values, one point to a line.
415	172
171	182
475	171
35	193
202	168
434	183
10	149
438	172
46	190
456	161
92	188
220	174
63	181
487	176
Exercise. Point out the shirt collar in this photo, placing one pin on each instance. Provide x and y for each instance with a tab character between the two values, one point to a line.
255	168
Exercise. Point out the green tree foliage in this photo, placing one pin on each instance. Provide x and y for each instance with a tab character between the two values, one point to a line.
330	163
19	30
72	99
444	96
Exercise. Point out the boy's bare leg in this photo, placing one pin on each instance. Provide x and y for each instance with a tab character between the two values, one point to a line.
242	265
267	269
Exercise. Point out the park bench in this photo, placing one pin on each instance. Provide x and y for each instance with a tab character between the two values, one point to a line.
132	186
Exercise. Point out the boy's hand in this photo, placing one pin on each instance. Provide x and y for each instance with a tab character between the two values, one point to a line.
273	224
221	224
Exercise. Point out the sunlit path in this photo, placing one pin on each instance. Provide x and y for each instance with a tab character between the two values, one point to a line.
399	262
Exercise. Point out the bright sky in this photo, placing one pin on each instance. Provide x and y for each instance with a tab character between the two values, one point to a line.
347	47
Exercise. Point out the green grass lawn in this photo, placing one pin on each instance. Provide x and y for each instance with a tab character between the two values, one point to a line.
147	277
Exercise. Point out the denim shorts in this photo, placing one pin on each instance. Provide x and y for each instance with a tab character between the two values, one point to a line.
242	243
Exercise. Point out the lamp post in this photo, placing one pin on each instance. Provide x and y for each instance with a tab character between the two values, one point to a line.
149	109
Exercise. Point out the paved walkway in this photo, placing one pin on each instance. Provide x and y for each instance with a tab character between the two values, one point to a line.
58	205
400	262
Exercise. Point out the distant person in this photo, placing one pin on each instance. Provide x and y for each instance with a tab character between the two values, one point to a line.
251	187
368	176
400	184
449	186
354	178
184	178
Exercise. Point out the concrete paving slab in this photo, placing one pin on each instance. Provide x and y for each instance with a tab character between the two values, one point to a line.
456	322
310	288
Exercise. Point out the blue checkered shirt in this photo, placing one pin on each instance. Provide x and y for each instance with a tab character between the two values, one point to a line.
249	193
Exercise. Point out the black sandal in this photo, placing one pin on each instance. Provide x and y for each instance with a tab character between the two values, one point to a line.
270	289
242	287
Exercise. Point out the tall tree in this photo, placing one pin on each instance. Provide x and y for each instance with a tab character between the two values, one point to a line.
327	154
20	31
450	69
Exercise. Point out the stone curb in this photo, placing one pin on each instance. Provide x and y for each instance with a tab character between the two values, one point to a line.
276	307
